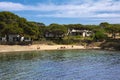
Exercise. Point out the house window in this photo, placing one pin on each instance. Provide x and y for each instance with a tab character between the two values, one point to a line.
15	39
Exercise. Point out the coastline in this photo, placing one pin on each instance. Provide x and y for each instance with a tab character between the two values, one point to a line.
40	47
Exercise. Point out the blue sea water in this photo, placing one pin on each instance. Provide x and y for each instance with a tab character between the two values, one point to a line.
60	65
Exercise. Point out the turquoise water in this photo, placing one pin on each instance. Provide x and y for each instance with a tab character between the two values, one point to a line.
60	65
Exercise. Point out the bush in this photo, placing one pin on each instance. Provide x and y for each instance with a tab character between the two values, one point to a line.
99	36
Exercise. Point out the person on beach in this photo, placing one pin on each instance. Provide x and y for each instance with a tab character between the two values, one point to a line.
38	47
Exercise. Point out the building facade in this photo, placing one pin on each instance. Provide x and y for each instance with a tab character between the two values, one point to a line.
83	33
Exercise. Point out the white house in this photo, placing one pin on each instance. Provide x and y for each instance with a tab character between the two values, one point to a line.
13	37
75	32
17	38
26	39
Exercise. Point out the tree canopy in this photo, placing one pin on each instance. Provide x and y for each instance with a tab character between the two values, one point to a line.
13	24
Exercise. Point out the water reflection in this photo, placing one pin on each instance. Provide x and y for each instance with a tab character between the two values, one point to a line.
60	65
54	55
19	56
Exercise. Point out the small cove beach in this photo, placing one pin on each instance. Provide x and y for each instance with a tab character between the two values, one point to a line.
39	47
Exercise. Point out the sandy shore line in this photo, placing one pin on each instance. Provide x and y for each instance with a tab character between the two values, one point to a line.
38	47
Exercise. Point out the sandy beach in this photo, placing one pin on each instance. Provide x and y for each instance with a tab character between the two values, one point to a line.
37	47
12	48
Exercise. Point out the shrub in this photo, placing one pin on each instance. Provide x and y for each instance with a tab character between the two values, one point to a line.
99	36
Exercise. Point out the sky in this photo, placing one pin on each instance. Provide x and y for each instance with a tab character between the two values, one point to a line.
65	11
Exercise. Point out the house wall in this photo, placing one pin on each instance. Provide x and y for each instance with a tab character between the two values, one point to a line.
3	39
84	33
49	35
88	33
27	39
12	38
22	39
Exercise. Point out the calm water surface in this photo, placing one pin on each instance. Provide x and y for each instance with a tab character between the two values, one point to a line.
61	65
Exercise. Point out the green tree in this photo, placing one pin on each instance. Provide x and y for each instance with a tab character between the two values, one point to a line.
113	29
104	24
13	24
41	29
99	35
57	27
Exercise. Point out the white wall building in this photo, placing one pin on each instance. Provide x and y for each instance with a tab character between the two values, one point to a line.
13	37
75	32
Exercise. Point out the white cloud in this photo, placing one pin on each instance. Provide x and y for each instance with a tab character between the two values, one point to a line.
11	6
71	9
